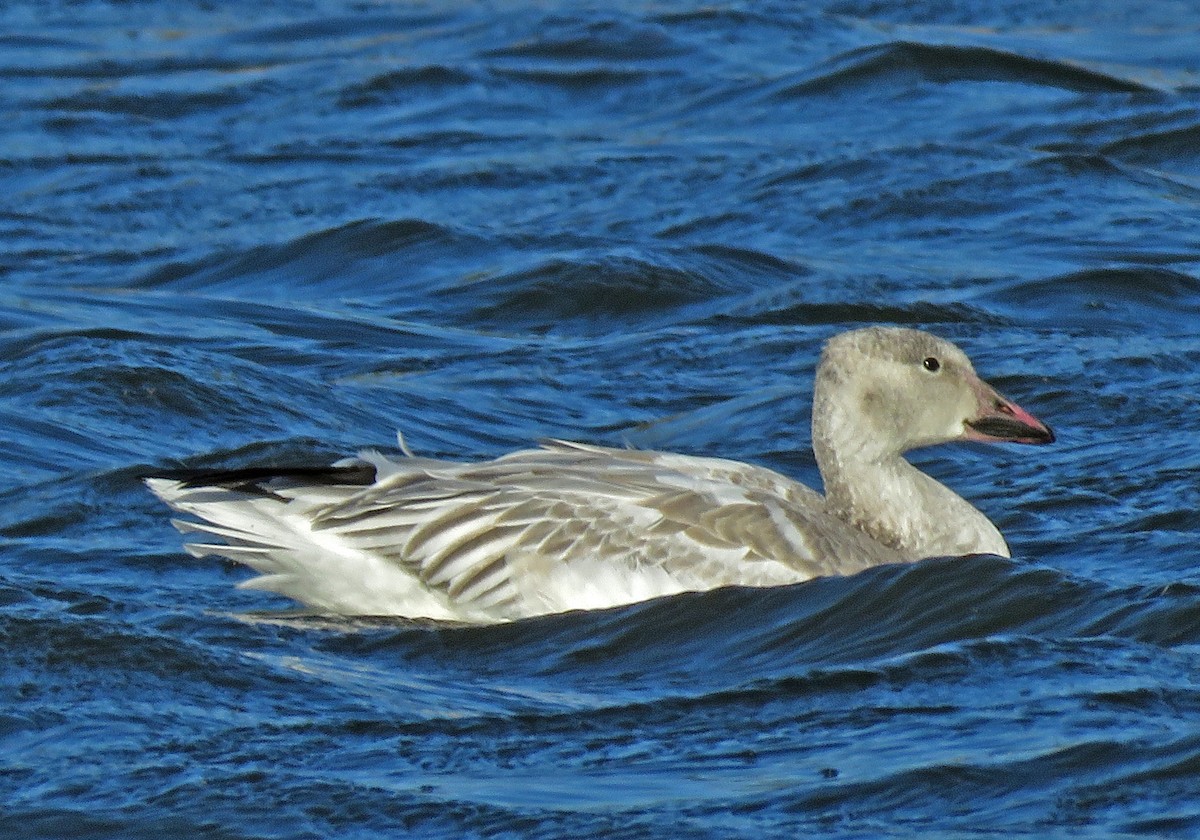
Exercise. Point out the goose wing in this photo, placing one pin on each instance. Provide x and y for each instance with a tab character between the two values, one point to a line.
570	526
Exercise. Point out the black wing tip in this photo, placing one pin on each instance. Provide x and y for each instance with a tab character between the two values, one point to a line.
253	479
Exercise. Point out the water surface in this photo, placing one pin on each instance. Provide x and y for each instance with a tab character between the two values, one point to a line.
234	238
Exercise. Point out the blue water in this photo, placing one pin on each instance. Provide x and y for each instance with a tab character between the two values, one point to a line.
237	235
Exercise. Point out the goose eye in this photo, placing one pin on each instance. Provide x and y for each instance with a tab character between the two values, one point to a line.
932	365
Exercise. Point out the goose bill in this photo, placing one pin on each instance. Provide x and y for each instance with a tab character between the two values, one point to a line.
1001	419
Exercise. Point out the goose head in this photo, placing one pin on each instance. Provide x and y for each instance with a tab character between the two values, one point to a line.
881	391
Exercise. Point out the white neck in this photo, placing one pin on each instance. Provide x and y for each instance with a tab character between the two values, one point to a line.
871	486
900	506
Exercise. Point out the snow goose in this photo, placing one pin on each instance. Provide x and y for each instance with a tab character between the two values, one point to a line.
574	526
